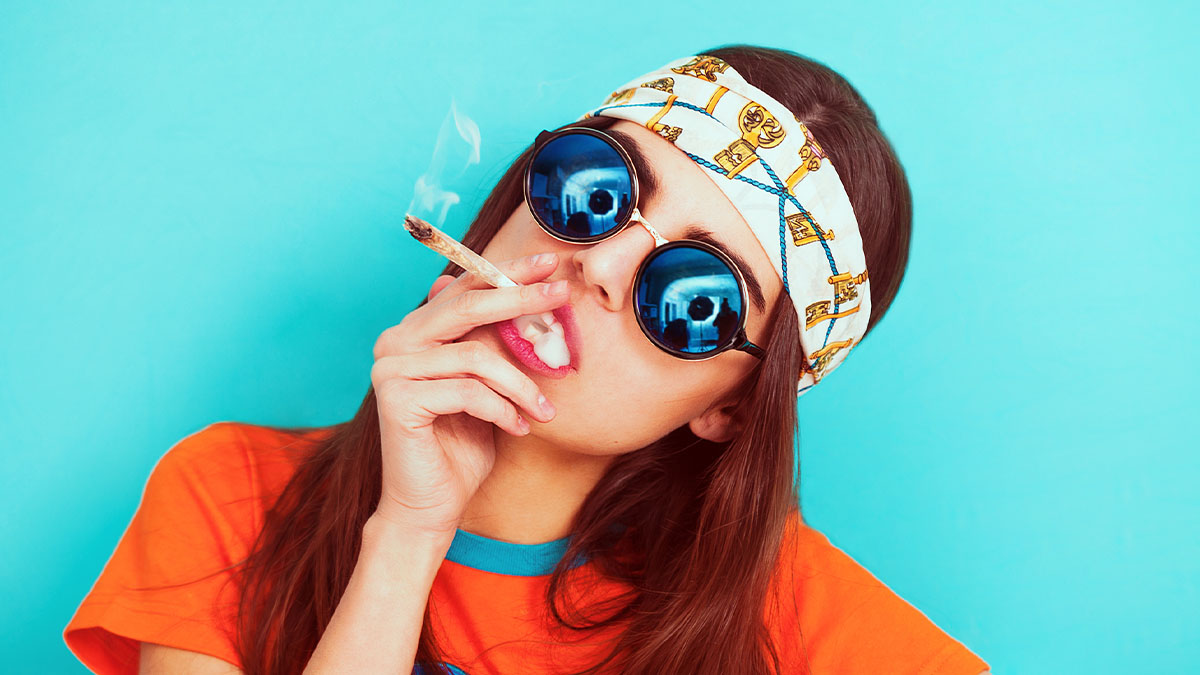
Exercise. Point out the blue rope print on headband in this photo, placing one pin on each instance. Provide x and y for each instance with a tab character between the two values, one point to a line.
779	190
783	194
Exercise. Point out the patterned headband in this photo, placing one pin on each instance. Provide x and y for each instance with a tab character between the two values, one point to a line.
747	141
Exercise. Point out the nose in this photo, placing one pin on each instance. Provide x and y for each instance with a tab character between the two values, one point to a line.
607	267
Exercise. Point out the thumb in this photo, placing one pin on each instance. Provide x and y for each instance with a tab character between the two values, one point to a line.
438	284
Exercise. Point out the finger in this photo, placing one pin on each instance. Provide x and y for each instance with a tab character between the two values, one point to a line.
411	334
452	396
454	317
471	359
526	270
439	284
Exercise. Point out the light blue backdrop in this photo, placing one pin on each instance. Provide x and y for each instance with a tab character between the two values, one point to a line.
200	209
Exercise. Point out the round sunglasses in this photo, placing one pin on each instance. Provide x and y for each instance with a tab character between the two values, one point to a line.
688	296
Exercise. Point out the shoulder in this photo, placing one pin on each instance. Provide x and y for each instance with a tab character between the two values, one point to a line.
232	456
845	619
171	578
235	448
227	474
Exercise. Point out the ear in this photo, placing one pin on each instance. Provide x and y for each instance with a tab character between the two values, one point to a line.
715	424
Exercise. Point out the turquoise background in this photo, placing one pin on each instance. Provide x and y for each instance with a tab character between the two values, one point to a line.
200	208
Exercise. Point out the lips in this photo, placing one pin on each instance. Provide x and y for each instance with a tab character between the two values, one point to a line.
522	349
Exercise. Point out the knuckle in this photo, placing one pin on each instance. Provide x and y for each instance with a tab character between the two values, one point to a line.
381	343
388	372
472	353
380	373
530	292
391	391
465	303
496	408
391	340
468	389
530	390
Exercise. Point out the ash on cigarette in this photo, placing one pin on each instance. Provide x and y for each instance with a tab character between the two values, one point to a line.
418	228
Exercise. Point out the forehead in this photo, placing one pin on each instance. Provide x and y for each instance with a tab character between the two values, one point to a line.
682	196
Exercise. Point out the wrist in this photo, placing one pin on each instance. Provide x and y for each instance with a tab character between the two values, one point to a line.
380	530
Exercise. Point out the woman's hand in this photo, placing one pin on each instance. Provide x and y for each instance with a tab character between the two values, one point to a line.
438	399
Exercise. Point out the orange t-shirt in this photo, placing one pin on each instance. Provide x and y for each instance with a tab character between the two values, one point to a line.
205	501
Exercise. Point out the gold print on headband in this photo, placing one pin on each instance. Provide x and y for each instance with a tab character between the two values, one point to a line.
619	96
760	127
712	100
811	155
703	67
845	286
824	356
736	157
666	84
805	230
819	311
668	132
759	130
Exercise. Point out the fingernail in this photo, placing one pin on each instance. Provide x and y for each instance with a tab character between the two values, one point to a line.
545	405
523	424
542	259
556	288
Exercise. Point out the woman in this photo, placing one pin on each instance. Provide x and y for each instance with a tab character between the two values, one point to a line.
634	511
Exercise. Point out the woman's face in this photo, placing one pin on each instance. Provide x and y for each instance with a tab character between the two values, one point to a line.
627	392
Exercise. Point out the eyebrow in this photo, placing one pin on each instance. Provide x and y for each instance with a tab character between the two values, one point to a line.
700	234
648	186
648	181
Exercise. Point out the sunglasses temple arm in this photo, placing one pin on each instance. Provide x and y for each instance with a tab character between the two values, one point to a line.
749	347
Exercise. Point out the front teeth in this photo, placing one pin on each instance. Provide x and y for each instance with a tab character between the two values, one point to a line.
529	327
532	326
546	334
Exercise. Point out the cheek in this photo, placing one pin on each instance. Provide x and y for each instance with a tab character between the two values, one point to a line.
503	246
632	405
518	236
609	425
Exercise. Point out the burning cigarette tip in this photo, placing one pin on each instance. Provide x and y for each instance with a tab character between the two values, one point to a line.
454	251
418	228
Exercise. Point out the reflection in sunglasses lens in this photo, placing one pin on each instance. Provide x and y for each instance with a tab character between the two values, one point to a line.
579	186
689	300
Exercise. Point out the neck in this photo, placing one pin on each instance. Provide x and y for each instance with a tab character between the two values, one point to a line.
533	492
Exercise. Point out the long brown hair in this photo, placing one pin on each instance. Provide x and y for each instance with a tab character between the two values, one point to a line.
704	521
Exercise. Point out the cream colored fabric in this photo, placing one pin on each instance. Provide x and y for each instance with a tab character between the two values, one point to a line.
777	176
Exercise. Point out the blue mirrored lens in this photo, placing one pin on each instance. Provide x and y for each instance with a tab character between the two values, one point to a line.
689	300
579	186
